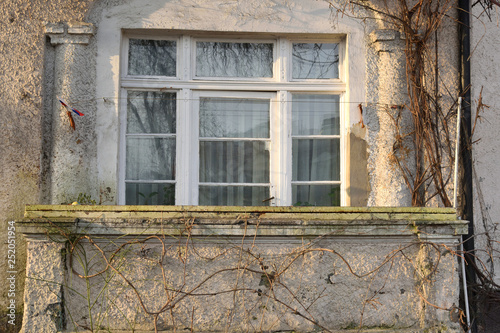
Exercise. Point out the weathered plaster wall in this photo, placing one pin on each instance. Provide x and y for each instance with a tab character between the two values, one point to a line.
485	75
317	284
22	110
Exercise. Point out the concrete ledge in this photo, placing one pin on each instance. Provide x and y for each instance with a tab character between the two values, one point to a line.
264	264
437	224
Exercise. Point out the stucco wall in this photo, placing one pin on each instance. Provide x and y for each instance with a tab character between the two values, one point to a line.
22	110
485	76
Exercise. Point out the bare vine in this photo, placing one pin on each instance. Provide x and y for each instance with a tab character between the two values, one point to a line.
92	260
426	163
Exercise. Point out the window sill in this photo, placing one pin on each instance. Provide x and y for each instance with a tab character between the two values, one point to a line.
429	224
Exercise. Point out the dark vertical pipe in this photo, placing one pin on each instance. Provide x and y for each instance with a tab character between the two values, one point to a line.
466	154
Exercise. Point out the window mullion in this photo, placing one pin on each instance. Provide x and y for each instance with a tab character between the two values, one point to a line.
184	143
122	149
345	199
193	133
284	150
184	63
284	47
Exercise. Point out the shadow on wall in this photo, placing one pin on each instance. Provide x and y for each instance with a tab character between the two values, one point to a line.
359	188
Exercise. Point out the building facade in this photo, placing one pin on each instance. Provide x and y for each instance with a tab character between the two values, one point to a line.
192	104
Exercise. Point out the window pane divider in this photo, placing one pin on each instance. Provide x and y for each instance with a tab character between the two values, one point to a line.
156	135
145	181
316	136
333	87
317	182
234	139
234	184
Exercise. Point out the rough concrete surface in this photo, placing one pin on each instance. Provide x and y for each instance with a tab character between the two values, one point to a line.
485	74
22	45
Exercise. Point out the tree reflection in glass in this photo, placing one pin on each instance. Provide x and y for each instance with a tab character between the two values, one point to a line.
223	59
150	147
315	61
152	57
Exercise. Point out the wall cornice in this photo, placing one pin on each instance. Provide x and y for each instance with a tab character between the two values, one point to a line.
69	33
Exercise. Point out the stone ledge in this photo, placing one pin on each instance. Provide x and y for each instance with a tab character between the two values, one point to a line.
437	224
313	209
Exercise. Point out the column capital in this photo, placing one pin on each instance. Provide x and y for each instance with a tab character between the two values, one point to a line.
73	32
386	40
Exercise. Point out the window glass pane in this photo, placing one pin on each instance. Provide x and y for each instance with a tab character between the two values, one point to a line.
316	195
315	159
150	194
218	59
315	61
315	115
234	118
233	195
152	57
150	158
151	112
234	162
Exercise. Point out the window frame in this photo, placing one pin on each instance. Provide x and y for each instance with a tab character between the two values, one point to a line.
188	87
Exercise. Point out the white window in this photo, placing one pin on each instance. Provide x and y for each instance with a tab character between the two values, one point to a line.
231	121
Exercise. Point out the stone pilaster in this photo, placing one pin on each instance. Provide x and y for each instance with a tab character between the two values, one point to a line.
388	186
74	82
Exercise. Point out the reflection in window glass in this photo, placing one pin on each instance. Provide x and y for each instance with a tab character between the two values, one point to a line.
316	160
234	195
151	112
315	149
234	118
315	115
222	59
234	133
150	194
152	57
150	148
315	61
316	195
150	158
234	162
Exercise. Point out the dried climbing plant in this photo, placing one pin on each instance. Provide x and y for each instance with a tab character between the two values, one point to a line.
426	164
108	268
423	154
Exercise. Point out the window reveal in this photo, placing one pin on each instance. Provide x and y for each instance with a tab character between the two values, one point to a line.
251	124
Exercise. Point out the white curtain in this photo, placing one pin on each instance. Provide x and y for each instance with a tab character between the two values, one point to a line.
315	149
233	135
